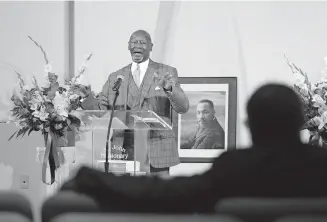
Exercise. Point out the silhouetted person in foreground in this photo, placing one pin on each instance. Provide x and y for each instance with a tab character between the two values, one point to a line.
277	165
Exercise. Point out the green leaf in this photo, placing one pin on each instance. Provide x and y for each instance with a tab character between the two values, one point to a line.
30	130
15	112
25	130
16	108
12	136
19	133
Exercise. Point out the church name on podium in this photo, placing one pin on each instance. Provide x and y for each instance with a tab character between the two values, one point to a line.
115	156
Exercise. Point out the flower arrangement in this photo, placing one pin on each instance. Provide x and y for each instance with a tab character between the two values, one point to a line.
314	98
47	109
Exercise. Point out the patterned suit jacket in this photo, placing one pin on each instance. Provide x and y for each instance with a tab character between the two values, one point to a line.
163	144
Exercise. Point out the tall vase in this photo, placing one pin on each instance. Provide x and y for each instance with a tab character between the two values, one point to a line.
62	174
53	156
55	159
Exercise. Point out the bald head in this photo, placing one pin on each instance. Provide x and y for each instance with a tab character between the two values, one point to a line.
143	33
140	46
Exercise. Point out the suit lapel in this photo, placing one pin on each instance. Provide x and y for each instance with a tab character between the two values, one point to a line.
129	88
126	73
130	84
147	81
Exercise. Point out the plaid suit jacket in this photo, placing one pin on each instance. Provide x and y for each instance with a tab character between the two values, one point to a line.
162	150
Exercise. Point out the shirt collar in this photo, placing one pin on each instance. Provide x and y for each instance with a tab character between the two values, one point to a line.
143	65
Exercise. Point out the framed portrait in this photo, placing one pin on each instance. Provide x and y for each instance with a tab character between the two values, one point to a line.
209	127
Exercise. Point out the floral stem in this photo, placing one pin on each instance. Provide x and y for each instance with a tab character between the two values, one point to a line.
41	48
83	68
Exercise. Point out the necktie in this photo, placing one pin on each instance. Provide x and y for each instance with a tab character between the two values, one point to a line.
136	75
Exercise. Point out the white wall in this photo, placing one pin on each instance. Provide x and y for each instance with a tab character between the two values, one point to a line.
46	22
242	39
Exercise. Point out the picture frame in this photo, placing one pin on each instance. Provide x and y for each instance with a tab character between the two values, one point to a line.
205	133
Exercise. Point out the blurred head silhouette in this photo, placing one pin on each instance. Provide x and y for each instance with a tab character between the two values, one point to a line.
275	115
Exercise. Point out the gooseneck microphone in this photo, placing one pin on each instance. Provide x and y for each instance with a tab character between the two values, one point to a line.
115	88
118	83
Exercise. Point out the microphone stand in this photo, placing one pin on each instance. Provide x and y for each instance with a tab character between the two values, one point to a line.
106	164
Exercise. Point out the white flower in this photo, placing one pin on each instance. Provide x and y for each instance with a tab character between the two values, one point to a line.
34	106
313	87
36	101
47	81
26	87
62	112
73	97
73	79
59	99
304	90
61	104
42	114
67	87
17	124
21	123
64	94
48	68
317	120
78	79
322	108
299	78
318	100
81	69
300	82
323	119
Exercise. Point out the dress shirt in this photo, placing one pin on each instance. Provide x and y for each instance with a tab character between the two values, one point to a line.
143	68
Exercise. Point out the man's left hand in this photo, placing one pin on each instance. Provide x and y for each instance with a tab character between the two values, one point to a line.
81	90
168	81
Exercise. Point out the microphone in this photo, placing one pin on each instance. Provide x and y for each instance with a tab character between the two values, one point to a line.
115	88
118	82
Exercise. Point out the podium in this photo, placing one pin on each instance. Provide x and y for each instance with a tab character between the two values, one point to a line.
129	138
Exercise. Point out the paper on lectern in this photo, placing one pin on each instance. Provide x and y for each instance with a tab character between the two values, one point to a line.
118	124
104	123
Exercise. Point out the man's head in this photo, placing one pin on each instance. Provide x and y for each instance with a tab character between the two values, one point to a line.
140	46
205	112
275	115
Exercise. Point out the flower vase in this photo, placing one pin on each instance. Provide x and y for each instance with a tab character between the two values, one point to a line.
55	162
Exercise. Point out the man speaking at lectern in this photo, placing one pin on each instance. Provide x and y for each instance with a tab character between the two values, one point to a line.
146	85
